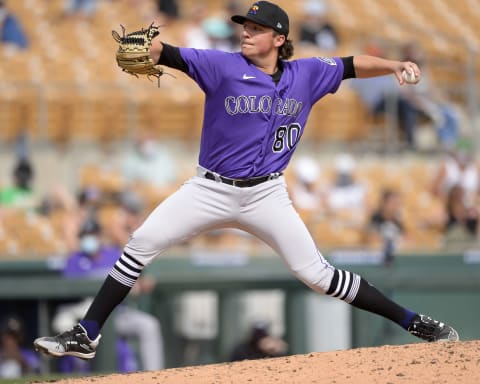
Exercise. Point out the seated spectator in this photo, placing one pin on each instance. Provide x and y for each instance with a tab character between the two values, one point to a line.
462	219
213	32
149	163
60	205
382	96
429	100
305	191
94	259
386	228
458	168
20	194
345	196
126	218
316	29
219	33
234	7
194	34
11	30
260	344
15	359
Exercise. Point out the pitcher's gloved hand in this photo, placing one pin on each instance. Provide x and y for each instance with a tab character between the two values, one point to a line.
133	54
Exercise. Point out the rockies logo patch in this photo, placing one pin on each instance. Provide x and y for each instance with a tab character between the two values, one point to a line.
327	60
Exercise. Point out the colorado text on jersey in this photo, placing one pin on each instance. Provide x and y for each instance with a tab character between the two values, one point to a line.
263	104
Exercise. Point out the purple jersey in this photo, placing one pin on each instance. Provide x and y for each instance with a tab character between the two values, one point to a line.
79	264
251	125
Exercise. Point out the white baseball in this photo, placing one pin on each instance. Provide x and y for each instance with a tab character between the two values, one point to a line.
410	77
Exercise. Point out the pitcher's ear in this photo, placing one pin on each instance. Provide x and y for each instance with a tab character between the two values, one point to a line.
279	40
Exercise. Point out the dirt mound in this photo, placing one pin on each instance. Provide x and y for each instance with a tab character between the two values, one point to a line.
424	363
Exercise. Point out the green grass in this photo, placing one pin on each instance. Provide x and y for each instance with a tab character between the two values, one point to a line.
35	379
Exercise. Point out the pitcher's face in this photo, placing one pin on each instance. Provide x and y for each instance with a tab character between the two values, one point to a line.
259	41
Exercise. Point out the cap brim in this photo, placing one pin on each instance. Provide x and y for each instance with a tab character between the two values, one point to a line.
238	19
241	19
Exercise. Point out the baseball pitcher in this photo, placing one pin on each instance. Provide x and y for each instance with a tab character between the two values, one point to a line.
256	109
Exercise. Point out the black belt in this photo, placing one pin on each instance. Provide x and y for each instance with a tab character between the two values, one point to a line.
242	183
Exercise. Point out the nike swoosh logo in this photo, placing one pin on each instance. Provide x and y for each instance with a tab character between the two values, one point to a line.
246	77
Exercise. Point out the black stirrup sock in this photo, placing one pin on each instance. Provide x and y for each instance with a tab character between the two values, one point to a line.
355	290
117	285
108	297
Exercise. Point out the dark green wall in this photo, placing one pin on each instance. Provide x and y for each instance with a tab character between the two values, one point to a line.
439	285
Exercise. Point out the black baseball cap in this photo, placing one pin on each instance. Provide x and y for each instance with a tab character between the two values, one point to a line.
266	14
90	227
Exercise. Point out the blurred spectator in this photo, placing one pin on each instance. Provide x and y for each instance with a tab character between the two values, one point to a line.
57	198
259	344
316	29
150	170
11	30
211	32
81	9
386	228
89	201
149	163
20	193
168	8
94	259
234	7
69	212
15	360
462	219
219	33
429	100
458	168
346	197
195	35
305	191
62	208
127	218
382	96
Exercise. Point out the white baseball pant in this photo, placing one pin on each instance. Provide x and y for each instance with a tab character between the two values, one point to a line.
264	210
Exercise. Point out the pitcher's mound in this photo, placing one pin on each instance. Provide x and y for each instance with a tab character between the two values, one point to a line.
426	363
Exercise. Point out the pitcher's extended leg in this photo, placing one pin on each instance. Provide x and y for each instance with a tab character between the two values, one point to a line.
275	221
198	206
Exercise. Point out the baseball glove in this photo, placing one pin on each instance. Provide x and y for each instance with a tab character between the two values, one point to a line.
133	54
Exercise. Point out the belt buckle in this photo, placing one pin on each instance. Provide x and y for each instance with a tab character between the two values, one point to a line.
235	181
273	176
216	177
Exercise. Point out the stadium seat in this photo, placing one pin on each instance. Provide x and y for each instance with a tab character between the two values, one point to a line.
329	122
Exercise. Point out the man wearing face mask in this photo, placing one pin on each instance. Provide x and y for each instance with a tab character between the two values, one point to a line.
143	162
346	196
95	259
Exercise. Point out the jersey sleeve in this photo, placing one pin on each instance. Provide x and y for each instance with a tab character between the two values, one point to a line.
325	75
206	66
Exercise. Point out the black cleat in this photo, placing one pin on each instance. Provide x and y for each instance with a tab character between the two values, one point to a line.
428	329
74	342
